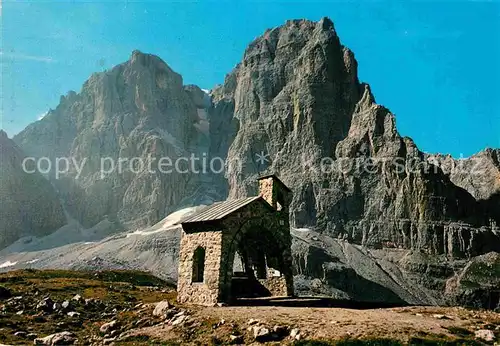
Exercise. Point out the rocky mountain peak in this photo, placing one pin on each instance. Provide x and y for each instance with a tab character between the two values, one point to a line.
298	99
289	38
479	174
137	109
3	134
326	24
148	60
10	153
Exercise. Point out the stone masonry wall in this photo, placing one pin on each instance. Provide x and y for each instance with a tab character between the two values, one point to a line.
267	191
206	292
277	285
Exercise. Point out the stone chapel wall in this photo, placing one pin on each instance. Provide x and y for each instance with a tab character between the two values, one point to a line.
206	292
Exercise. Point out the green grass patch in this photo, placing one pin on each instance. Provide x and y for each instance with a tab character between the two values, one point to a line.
115	290
432	342
390	342
459	331
136	278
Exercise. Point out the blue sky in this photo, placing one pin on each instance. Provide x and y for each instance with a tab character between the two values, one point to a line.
434	64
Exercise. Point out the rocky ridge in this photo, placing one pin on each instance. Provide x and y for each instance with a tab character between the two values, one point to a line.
29	204
485	166
116	130
297	97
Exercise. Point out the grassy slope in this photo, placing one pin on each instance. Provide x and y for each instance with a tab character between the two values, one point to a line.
123	291
117	289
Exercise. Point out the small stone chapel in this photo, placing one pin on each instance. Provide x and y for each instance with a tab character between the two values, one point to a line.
238	248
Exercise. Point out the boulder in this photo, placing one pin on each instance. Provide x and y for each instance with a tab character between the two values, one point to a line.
66	305
21	334
295	334
45	305
236	339
62	338
107	327
161	308
261	334
485	334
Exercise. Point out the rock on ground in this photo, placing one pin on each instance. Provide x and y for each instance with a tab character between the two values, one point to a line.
62	338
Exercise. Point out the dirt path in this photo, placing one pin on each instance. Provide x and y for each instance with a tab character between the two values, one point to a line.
400	324
327	323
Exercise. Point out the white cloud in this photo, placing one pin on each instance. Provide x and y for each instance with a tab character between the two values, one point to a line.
41	116
20	56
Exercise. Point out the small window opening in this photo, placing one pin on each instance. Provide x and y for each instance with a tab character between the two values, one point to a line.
198	264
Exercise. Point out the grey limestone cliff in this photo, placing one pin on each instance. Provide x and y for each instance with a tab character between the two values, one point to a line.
29	205
297	98
118	128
